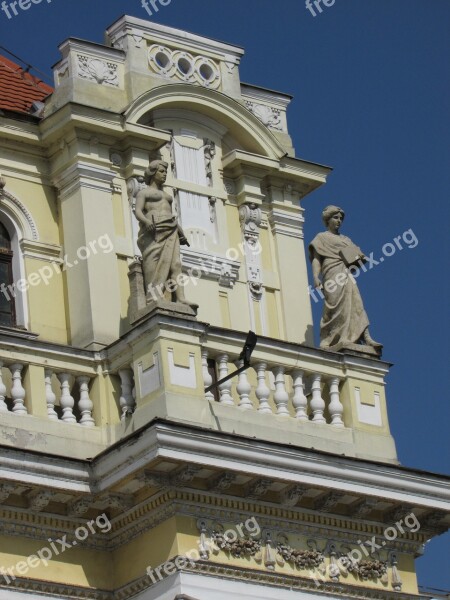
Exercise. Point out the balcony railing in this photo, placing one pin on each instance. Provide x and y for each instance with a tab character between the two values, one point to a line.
277	390
143	375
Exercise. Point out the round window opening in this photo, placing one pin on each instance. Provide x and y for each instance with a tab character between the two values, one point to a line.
184	66
162	60
206	72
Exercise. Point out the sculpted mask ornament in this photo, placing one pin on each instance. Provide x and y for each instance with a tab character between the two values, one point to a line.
344	323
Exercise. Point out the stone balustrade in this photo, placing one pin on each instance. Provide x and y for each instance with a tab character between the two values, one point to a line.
290	391
300	393
66	393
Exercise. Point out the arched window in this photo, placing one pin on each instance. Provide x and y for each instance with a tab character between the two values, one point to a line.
7	307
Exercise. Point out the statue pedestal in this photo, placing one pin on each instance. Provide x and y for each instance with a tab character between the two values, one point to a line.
141	306
357	349
175	309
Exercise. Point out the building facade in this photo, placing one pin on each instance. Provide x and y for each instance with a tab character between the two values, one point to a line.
121	476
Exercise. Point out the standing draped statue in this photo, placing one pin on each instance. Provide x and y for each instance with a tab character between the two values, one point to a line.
344	322
160	237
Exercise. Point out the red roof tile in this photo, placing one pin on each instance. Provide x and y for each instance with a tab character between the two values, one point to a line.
18	89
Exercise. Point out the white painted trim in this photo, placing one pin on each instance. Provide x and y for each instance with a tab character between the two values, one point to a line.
182	376
18	267
127	25
367	413
195	586
41	251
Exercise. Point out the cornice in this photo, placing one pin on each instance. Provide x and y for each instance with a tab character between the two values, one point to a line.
267	579
128	25
261	459
83	174
254	92
97	50
40	250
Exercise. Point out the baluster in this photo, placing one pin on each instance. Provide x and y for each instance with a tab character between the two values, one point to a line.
50	396
66	401
262	390
317	402
224	388
85	404
126	401
3	405
207	377
299	400
336	409
243	388
280	396
17	390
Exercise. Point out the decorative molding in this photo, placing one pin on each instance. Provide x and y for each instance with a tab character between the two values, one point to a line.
97	70
238	548
292	496
286	223
250	218
79	507
230	186
41	251
219	574
82	174
258	488
222	482
116	159
212	209
184	66
268	115
366	569
39	499
364	509
206	265
328	502
303	559
6	489
18	206
185	475
209	150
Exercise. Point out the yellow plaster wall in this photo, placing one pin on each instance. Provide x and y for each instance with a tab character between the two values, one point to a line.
150	549
40	201
76	566
46	301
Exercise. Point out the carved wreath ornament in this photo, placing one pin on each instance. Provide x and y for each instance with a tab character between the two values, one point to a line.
304	559
366	569
237	548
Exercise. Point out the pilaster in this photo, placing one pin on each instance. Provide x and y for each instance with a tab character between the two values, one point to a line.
87	222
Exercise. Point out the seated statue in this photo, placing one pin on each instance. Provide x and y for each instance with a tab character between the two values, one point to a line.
344	322
160	236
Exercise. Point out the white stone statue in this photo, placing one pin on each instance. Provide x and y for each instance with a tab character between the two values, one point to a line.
344	322
160	236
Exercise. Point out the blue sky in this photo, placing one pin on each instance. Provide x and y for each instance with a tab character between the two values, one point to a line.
371	87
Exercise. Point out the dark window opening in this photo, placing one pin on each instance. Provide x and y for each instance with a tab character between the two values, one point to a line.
7	307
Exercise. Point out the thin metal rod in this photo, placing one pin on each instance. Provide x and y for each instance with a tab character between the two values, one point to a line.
230	376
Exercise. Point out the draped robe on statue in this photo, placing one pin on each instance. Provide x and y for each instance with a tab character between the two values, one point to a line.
160	252
344	318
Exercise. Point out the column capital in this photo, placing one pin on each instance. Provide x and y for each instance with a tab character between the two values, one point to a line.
83	174
288	222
